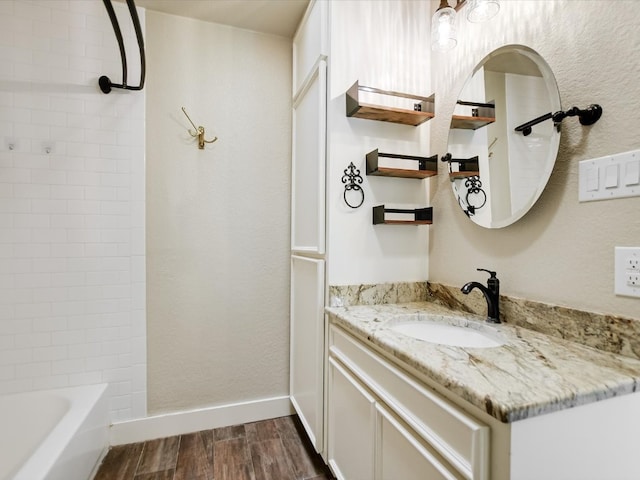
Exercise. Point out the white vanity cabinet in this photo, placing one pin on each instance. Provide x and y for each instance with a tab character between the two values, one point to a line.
387	421
382	424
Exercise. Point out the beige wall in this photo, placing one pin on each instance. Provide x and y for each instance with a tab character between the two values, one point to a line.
561	252
217	219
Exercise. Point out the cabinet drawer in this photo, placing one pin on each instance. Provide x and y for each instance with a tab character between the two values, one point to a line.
459	438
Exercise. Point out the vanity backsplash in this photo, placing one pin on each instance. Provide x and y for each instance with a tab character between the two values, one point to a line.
604	332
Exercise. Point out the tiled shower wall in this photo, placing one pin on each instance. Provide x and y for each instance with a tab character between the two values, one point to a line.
72	246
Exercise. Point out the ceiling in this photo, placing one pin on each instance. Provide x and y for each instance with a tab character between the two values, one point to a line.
277	17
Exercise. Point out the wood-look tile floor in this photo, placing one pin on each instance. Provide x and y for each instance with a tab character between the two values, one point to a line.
276	449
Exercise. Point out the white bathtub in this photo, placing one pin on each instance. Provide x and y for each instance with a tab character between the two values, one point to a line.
53	434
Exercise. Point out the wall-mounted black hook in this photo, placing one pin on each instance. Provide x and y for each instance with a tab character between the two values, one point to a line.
587	116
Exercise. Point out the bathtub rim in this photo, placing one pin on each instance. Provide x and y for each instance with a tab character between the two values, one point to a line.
83	400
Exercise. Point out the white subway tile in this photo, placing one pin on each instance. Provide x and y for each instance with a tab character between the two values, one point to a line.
67	221
54	294
69	192
30	340
85	378
33	159
49	265
50	177
67	366
33	43
66	163
50	30
33	369
48	118
50	382
117	374
83	149
115	208
87	207
67	279
83	178
32	12
14	296
27	190
83	236
15	175
67	250
102	278
15	356
32	310
21	220
100	193
68	337
120	402
15	205
86	350
15	265
7	281
49	206
7	372
67	47
15	114
68	18
49	324
106	363
101	165
51	353
31	250
67	308
48	235
32	280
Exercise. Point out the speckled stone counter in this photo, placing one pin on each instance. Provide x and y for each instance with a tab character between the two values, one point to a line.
531	374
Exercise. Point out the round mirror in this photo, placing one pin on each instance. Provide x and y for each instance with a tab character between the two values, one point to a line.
499	166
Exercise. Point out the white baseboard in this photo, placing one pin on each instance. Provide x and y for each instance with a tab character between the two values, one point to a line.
178	423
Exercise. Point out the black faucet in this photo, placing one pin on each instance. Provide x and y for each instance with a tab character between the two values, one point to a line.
491	294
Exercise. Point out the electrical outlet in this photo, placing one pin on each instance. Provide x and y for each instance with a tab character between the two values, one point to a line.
627	271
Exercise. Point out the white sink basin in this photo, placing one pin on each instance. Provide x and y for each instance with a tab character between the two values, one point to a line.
461	335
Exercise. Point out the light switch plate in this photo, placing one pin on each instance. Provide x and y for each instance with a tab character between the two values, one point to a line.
613	176
627	271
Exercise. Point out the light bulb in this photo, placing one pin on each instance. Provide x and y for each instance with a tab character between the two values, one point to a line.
443	29
482	10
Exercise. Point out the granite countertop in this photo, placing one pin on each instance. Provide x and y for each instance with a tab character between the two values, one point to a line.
531	374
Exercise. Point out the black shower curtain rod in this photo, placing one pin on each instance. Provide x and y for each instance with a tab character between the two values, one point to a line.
105	83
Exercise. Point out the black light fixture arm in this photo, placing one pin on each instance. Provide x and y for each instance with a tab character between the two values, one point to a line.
105	83
587	116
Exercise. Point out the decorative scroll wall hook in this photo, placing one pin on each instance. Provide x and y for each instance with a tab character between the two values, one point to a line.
352	180
199	132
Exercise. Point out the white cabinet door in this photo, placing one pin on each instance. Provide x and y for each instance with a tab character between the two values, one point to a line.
311	42
400	455
351	426
307	344
308	164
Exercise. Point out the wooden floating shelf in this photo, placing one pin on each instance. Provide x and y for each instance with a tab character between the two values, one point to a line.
423	110
455	175
421	216
470	123
483	115
427	166
468	167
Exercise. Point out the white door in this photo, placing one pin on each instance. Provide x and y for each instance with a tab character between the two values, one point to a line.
351	426
308	164
307	344
400	454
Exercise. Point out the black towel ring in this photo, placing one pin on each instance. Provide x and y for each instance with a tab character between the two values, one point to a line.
352	180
